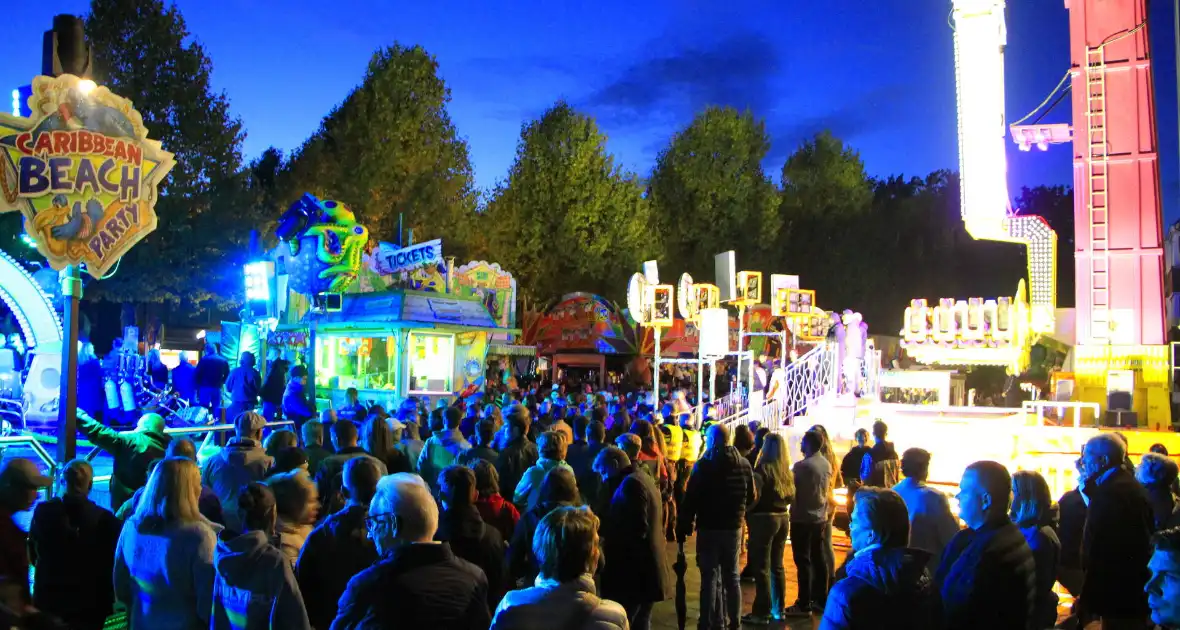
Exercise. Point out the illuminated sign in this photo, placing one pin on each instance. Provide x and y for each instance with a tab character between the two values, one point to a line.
659	298
389	259
749	287
82	172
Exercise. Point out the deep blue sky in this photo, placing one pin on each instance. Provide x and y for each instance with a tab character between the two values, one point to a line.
877	73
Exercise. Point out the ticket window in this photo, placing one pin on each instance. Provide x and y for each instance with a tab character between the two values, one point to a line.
432	363
360	362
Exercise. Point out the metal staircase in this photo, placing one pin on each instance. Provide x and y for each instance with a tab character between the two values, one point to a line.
1096	199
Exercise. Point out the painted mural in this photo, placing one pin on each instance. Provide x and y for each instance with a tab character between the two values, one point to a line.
471	349
582	322
491	285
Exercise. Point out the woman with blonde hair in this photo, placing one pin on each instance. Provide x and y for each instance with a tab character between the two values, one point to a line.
769	522
297	503
164	560
1032	511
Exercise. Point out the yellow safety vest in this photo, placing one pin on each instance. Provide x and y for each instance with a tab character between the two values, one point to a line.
692	446
673	441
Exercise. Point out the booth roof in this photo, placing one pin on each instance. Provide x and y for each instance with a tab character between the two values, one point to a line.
408	309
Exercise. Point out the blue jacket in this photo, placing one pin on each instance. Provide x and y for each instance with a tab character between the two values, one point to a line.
184	380
884	588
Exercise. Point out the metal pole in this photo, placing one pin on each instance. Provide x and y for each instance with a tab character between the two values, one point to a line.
655	383
700	382
741	343
67	409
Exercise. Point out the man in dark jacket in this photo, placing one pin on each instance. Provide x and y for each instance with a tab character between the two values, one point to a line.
417	583
132	452
485	433
519	454
581	456
273	385
880	467
339	548
327	476
1116	544
633	534
987	576
470	538
210	376
886	584
72	545
184	380
715	500
244	384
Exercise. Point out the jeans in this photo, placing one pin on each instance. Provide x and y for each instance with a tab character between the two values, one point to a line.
639	615
236	409
270	411
210	398
717	557
768	542
807	547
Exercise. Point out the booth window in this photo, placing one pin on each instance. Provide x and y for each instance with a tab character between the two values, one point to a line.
360	362
432	363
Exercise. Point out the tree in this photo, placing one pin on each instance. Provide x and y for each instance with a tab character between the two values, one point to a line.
568	218
144	52
391	148
709	194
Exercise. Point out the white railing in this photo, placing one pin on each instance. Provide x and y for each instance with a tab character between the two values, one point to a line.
1038	407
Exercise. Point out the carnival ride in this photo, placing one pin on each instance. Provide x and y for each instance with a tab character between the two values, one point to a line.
1119	319
32	391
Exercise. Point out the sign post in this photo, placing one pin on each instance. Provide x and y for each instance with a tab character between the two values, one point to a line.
83	174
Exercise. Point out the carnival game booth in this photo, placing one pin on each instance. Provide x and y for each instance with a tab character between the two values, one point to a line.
584	338
394	344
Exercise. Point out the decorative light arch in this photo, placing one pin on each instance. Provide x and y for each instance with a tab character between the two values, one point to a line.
33	309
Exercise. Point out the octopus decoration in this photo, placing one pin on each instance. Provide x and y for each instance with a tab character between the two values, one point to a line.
326	245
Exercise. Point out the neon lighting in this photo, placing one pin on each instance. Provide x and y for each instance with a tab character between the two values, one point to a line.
33	309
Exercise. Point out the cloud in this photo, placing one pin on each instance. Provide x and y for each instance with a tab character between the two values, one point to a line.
737	70
877	109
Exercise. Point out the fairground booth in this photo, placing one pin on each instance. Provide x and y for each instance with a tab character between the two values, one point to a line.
390	321
583	339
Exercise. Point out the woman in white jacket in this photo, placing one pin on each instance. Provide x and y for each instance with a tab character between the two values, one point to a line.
164	560
566	547
255	588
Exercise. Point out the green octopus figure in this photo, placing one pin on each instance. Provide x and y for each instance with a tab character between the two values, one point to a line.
339	241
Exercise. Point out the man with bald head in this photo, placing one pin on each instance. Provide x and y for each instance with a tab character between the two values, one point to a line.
418	582
1116	544
987	574
720	488
72	545
132	451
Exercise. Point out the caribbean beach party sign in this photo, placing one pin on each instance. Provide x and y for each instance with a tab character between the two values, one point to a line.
82	171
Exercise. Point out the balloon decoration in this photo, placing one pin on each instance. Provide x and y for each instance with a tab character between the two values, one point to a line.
326	245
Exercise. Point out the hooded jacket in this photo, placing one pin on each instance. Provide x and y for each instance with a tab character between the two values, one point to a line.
885	588
239	463
440	451
529	488
515	458
244	382
254	587
552	605
132	452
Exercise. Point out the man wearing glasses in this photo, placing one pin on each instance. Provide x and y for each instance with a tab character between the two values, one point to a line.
417	583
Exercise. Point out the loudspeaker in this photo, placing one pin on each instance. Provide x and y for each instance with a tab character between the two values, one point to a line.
1118	401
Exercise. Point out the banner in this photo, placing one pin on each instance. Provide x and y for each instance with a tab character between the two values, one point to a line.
82	171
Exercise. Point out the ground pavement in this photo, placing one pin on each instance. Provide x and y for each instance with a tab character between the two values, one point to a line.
664	617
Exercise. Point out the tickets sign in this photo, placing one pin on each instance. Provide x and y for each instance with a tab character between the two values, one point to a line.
82	171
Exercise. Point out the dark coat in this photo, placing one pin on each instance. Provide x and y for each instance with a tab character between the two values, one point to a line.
334	553
275	382
132	453
1046	550
1116	547
72	544
515	458
92	397
718	492
184	380
580	457
1163	506
416	586
883	589
330	475
1071	526
478	543
472	456
633	543
987	579
212	371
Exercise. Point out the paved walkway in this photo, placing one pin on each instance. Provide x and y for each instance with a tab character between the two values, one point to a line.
664	617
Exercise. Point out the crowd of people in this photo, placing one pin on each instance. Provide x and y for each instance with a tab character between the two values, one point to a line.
539	512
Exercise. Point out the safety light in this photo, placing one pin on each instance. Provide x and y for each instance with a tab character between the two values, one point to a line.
257	278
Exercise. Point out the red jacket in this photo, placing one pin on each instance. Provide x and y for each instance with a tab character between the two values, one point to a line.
498	513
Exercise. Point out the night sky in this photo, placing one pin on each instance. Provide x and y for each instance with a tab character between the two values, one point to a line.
878	74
